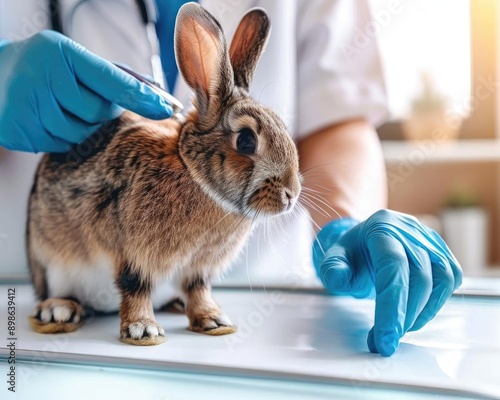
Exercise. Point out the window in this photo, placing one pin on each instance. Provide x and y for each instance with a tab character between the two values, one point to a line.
425	39
455	45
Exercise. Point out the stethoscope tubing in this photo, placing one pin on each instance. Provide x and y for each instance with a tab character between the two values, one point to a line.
149	16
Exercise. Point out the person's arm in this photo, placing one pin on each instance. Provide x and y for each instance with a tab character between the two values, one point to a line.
366	250
343	166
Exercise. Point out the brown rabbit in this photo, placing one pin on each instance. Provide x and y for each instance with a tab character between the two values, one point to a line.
157	200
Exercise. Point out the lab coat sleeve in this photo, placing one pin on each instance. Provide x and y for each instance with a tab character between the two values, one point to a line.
339	69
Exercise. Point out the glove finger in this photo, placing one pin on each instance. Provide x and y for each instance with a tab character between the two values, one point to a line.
113	84
443	284
45	143
420	288
456	269
392	277
81	101
62	124
27	133
334	271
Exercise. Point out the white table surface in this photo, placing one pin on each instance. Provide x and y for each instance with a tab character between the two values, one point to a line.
293	336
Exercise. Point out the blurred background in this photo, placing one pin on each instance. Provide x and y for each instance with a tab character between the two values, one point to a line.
442	144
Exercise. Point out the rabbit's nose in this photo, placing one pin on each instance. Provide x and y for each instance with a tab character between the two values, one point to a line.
291	199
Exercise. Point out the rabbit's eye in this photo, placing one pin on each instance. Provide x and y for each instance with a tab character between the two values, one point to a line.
246	142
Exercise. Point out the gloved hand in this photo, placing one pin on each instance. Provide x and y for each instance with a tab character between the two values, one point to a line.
54	93
407	266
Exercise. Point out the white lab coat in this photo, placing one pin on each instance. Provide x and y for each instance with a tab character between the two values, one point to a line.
305	75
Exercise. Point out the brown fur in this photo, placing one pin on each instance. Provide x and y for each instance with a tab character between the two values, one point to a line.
163	198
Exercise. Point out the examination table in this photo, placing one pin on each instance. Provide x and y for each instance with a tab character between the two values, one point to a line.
292	343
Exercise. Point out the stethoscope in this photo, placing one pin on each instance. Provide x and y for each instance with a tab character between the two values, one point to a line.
149	16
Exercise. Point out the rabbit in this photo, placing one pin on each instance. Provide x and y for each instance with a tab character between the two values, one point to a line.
172	199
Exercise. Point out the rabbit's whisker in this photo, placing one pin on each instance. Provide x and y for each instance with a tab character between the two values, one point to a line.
310	190
314	223
316	198
323	165
312	206
258	248
212	228
249	208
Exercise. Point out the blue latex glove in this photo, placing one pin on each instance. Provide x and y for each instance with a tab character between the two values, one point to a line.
54	93
407	266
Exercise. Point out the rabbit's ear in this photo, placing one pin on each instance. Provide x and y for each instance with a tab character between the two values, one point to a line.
202	57
247	45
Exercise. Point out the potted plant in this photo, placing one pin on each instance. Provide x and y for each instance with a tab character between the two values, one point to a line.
430	117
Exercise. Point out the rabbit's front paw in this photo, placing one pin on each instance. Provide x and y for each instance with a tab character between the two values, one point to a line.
57	315
212	324
145	332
